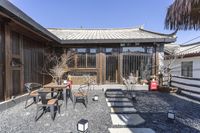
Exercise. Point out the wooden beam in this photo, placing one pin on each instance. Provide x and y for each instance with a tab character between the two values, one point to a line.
22	25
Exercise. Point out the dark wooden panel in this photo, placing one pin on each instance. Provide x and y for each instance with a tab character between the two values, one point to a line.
16	82
1	85
15	43
8	81
91	60
1	64
81	61
111	68
137	64
33	60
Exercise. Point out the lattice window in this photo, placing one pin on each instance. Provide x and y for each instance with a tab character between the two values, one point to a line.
187	69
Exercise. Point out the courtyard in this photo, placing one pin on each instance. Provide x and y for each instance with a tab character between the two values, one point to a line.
151	106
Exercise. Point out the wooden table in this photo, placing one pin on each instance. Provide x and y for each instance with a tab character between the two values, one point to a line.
55	86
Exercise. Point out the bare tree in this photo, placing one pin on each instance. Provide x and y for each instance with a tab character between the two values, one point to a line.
57	63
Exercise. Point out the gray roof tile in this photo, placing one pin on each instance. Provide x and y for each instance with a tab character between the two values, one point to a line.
106	34
183	49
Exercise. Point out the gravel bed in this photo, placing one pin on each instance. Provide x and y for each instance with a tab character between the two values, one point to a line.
151	106
20	120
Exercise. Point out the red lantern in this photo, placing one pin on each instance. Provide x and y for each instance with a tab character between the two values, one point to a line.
153	85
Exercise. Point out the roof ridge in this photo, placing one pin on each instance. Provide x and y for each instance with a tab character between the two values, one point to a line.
173	34
125	28
191	44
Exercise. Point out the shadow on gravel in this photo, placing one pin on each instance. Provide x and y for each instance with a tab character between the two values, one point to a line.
153	108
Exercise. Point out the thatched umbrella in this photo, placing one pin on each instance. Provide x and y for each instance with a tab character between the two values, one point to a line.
183	15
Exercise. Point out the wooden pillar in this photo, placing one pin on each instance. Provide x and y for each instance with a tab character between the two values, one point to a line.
8	79
101	69
154	61
120	66
98	65
160	58
22	66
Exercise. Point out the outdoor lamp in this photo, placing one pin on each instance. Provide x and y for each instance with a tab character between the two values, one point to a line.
171	115
82	126
96	98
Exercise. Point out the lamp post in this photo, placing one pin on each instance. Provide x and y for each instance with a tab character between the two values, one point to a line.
82	126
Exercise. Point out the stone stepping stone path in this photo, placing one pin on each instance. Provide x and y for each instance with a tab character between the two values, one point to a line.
122	110
119	104
127	119
114	93
117	100
116	96
131	130
123	113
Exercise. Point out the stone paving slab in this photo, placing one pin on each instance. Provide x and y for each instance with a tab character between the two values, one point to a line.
112	89
119	104
131	130
117	100
115	93
127	119
122	110
115	96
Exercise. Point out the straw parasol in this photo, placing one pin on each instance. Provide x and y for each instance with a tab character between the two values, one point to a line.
183	15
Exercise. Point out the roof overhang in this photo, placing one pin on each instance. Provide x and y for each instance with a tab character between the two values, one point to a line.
102	41
17	15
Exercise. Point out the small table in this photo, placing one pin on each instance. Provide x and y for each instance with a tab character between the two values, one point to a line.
55	86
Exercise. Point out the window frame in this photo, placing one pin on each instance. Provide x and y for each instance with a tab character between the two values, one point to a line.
87	54
187	69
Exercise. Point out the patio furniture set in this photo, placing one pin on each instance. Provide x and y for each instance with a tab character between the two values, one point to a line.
46	97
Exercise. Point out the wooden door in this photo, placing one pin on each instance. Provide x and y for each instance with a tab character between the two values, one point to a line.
111	63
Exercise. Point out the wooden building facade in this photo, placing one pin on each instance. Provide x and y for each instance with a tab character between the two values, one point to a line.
103	54
107	54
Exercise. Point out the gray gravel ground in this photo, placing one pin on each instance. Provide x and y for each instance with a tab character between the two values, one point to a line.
152	106
20	120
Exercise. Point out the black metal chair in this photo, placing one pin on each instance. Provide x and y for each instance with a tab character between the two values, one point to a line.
82	94
32	93
47	103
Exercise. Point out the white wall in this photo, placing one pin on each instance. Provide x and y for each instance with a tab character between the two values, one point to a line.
186	83
176	66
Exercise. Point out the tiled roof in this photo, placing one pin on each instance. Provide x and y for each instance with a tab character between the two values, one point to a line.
183	49
109	34
171	48
190	49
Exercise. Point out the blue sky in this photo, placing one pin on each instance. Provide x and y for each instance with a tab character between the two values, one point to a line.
102	14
